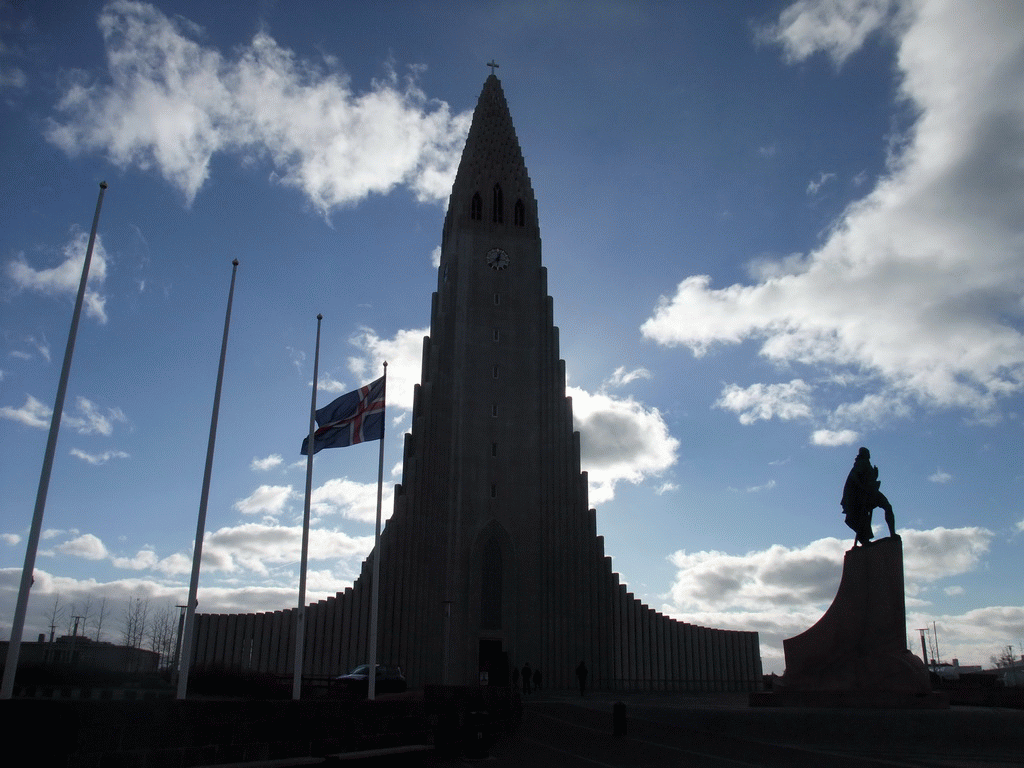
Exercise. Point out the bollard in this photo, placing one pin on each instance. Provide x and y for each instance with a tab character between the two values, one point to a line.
618	719
476	736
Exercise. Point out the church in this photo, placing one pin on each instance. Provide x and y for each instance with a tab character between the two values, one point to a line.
491	558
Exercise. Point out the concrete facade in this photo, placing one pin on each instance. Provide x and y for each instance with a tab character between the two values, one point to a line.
491	558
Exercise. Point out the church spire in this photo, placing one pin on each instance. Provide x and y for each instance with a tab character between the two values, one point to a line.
492	185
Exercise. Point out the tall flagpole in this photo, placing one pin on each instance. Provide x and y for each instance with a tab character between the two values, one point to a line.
197	554
372	672
300	614
18	625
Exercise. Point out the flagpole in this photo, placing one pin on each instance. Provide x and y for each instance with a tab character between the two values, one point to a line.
372	672
300	614
32	547
197	554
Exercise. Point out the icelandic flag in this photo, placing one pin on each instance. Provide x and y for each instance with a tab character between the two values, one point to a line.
353	418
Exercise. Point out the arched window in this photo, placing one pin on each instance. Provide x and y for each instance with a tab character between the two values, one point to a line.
520	214
490	586
476	208
498	205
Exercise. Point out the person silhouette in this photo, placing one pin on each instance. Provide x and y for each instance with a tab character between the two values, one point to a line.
581	675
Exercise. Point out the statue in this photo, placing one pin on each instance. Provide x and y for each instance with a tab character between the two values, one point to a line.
861	496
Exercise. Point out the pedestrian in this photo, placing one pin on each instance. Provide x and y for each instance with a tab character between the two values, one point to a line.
581	675
536	679
527	677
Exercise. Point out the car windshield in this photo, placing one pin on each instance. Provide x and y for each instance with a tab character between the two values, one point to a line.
362	669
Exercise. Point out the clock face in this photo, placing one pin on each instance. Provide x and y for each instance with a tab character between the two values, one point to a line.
497	259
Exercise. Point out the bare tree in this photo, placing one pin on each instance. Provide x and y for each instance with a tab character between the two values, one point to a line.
163	627
99	617
55	616
1004	658
133	623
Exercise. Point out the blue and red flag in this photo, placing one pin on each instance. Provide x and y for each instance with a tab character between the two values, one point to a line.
353	418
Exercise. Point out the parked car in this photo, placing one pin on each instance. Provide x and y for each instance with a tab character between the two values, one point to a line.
389	680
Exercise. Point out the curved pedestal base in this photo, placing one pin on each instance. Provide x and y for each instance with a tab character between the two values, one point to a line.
860	644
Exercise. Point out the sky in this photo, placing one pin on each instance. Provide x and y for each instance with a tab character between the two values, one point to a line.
774	232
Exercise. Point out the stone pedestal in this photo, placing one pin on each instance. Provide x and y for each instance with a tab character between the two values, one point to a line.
856	655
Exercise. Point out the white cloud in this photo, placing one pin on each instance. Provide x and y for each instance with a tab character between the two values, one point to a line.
144	559
329	384
435	257
87	546
257	546
781	591
814	185
353	500
939	552
620	440
621	376
760	401
403	354
90	420
12	77
837	27
98	458
917	289
87	419
10	538
270	462
268	499
171	103
65	278
32	414
832	438
974	636
940	476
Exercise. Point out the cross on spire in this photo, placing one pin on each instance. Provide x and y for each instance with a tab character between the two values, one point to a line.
493	65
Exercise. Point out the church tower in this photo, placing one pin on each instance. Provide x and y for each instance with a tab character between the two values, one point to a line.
491	559
492	463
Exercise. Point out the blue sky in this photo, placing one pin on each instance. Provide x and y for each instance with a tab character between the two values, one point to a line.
774	232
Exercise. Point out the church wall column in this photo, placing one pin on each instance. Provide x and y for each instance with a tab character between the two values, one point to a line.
755	650
249	641
348	619
201	631
622	634
687	651
274	642
287	660
680	650
629	639
615	624
672	661
264	631
232	651
333	651
714	643
646	617
729	668
702	659
310	638
637	642
218	633
283	623
658	650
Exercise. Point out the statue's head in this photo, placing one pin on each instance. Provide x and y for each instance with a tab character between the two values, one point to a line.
863	453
